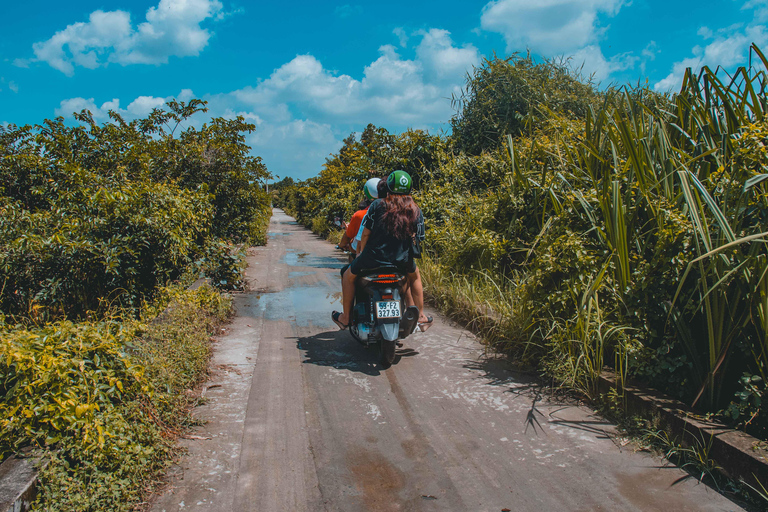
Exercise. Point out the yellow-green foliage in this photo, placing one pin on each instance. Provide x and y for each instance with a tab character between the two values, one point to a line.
61	378
107	396
93	214
625	227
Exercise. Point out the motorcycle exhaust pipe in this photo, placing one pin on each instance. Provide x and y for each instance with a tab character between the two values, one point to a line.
409	321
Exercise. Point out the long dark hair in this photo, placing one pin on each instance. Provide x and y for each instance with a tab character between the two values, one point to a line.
401	215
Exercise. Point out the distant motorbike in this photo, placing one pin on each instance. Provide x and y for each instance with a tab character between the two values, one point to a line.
379	315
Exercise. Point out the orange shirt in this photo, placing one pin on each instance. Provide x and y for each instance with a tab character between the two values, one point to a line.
354	224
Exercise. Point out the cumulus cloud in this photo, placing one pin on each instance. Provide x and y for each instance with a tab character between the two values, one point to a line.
139	107
760	9
728	48
392	90
569	28
549	27
172	28
72	105
297	148
402	36
443	61
302	111
590	61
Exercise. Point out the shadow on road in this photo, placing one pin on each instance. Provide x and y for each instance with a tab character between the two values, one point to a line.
497	372
338	350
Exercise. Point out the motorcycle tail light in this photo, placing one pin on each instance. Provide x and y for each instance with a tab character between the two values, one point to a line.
387	296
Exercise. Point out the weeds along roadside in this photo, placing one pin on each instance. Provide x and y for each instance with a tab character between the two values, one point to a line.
101	225
105	400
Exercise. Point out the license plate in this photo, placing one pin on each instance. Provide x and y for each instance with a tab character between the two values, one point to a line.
388	309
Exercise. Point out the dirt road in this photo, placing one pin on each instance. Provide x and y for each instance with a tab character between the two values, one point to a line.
302	418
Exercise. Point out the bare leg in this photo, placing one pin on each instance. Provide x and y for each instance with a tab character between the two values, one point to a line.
407	295
417	290
347	295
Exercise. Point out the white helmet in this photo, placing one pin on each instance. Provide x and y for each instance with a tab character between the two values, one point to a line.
370	189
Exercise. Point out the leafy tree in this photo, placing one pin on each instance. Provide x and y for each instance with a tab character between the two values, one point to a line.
94	213
507	96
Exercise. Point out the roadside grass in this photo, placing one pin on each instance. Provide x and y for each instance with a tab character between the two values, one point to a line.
105	401
484	305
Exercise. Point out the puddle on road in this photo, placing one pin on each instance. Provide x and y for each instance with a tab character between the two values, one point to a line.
300	274
279	233
301	305
305	259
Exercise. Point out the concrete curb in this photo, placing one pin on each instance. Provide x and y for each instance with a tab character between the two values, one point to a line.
18	483
739	455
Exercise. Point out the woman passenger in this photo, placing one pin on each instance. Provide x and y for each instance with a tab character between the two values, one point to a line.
392	226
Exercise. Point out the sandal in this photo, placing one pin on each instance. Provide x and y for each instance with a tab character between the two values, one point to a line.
423	326
335	317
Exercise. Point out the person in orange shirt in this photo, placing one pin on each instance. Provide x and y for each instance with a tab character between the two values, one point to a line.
348	242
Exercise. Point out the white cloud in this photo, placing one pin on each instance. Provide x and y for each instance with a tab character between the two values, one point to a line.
650	51
392	90
75	105
402	36
443	61
568	28
590	61
13	86
139	107
728	48
302	110
143	105
297	148
705	32
549	27
171	29
760	7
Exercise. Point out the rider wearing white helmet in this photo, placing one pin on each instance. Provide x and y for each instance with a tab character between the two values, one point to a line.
348	237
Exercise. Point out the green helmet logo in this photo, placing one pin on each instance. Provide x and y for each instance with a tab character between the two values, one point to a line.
399	182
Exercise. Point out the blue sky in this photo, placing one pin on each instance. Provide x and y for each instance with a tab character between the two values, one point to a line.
309	73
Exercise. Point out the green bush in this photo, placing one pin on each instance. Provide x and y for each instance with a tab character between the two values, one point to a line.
108	396
96	216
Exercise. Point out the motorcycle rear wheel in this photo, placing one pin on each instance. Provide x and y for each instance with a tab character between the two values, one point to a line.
355	334
387	352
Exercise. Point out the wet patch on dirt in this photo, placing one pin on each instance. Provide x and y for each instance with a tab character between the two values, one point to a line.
379	481
653	491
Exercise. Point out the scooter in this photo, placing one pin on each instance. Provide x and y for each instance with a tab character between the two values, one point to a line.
379	314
